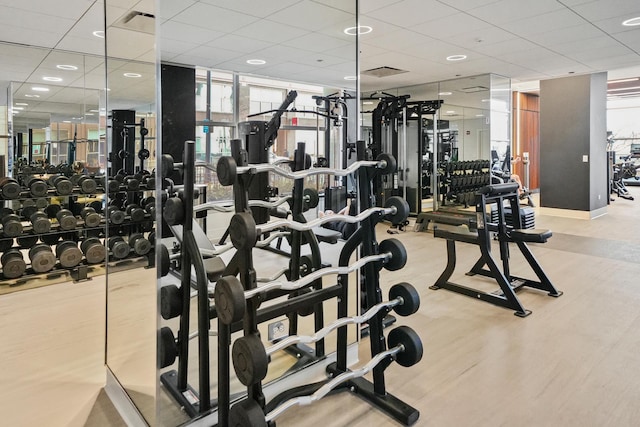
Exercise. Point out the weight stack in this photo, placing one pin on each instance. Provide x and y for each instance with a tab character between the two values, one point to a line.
527	215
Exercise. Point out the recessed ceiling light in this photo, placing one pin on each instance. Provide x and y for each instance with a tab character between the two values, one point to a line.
66	121
485	100
360	29
632	22
51	79
450	112
21	103
456	57
624	80
445	93
350	78
256	61
40	89
94	111
367	103
99	33
18	108
88	114
479	115
28	95
66	67
132	75
15	112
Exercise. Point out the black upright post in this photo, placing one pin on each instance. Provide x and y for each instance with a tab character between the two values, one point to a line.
122	156
30	146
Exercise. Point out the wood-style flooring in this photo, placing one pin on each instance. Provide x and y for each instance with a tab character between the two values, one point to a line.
574	362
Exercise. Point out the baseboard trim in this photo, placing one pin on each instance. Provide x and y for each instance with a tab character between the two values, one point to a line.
123	403
574	214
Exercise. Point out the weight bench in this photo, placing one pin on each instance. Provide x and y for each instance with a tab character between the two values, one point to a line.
214	265
499	194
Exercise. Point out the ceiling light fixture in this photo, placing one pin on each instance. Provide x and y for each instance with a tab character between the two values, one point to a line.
623	88
256	61
367	103
51	79
15	112
632	22
94	111
132	75
99	34
350	78
456	57
40	89
21	103
450	112
479	115
66	67
445	93
485	100
18	108
28	95
360	30
88	114
66	121
624	80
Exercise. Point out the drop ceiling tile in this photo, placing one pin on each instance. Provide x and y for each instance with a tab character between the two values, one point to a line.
565	35
207	16
555	20
53	24
367	6
239	43
614	62
499	49
614	25
173	30
94	46
128	44
367	50
168	46
285	53
505	11
322	59
215	55
34	37
309	16
348	6
169	9
70	9
269	31
613	51
286	67
317	42
482	36
260	9
413	12
145	6
467	4
403	40
347	52
443	29
632	40
603	9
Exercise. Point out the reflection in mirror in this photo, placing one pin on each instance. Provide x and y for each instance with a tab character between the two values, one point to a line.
272	75
131	208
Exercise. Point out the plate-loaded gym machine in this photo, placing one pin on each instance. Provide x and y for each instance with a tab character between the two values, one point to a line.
237	299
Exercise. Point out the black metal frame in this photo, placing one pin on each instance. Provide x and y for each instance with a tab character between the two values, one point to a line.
509	284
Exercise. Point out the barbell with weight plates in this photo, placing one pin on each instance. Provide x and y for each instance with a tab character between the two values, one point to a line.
11	225
139	244
230	296
251	358
68	254
13	265
42	258
40	222
66	219
119	248
93	250
9	188
227	169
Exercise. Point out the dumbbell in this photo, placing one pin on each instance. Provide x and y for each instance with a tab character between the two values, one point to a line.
115	215
63	185
150	182
27	211
40	222
170	301
42	258
167	347
149	204
136	213
119	248
132	182
13	265
152	238
50	239
68	254
9	188
37	186
93	249
11	225
113	185
5	244
90	217
139	244
66	219
52	210
27	242
87	184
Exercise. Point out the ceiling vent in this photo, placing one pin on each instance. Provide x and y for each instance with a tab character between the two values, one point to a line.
137	21
474	89
383	72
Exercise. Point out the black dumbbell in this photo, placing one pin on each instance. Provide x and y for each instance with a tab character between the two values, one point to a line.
139	244
37	186
149	205
113	185
90	217
26	242
5	244
119	248
12	227
50	239
87	184
42	203
9	188
115	215
136	213
66	219
27	211
52	210
42	258
152	238
150	182
93	249
13	265
40	222
68	254
132	183
64	187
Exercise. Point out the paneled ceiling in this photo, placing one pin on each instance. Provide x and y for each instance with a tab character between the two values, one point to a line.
304	40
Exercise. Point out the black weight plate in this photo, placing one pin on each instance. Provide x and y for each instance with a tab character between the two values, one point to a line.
166	163
28	211
226	169
229	299
409	339
170	302
402	209
410	298
250	360
52	210
4	212
242	230
88	186
167	348
390	165
173	211
96	205
143	154
165	261
247	413
144	131
311	198
398	254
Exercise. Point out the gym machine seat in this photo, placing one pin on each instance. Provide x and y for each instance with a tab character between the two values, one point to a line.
535	235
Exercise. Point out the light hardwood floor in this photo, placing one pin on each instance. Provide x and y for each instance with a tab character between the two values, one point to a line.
574	362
